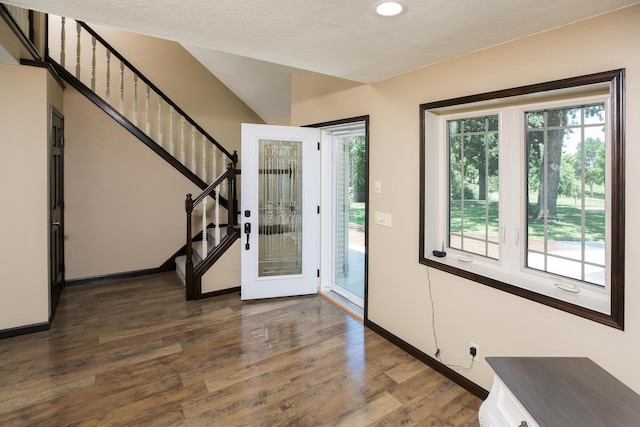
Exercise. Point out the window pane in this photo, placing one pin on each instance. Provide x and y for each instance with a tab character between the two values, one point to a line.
475	125
473	185
566	200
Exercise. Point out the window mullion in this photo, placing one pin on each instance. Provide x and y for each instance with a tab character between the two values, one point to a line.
509	164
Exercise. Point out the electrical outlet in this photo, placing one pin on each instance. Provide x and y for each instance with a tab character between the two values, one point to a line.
476	357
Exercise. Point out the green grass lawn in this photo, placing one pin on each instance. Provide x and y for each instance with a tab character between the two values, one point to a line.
567	228
356	214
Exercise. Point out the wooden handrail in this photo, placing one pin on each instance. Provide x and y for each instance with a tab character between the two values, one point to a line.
193	274
25	39
212	186
142	77
126	123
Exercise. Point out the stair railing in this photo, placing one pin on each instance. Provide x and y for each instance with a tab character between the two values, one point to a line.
22	18
21	23
79	50
211	247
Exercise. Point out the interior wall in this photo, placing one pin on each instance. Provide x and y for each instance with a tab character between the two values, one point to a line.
24	220
501	324
225	273
124	205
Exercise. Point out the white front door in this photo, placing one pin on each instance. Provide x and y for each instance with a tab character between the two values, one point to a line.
279	211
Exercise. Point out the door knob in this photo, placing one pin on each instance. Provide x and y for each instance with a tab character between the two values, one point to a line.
56	223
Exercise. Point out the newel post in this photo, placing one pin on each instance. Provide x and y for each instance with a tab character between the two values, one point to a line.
188	206
235	187
232	206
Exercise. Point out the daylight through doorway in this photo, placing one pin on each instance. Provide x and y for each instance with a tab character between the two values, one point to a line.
344	210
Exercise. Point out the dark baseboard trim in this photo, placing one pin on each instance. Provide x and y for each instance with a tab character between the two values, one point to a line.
170	263
116	276
220	292
463	382
21	330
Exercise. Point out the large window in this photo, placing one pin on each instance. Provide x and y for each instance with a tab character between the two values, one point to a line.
525	190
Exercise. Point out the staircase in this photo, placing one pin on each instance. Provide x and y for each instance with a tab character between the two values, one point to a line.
201	250
88	63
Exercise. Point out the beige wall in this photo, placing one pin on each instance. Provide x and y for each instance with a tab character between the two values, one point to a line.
225	273
124	205
27	93
500	323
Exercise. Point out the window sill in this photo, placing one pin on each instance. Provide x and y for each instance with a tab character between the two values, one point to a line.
583	305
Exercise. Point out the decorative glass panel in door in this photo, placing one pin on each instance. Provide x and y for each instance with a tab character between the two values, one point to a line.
279	208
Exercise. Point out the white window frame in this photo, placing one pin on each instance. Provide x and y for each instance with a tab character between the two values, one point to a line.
509	272
511	265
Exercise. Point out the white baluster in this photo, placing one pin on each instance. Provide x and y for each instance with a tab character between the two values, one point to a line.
205	237
147	123
93	63
193	149
135	99
224	189
204	158
216	240
171	148
62	41
121	88
182	152
214	163
78	28
107	93
159	120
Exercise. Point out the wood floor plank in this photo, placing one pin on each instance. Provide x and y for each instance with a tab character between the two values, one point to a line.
134	352
371	411
43	394
405	371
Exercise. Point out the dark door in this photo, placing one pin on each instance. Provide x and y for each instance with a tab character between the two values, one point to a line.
56	196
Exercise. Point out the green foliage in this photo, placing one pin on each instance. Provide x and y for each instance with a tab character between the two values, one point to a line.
356	214
594	162
569	185
454	187
357	153
473	151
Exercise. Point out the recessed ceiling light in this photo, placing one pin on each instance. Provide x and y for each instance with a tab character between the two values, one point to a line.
389	8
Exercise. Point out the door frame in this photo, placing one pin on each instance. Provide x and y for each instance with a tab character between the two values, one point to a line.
326	262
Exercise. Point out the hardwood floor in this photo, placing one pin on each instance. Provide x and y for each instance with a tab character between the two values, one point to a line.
133	352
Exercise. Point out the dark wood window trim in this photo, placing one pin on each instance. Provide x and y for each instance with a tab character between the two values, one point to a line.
615	79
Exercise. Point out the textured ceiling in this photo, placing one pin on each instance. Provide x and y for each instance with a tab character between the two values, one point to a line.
342	38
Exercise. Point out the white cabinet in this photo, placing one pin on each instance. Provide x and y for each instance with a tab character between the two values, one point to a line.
502	408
